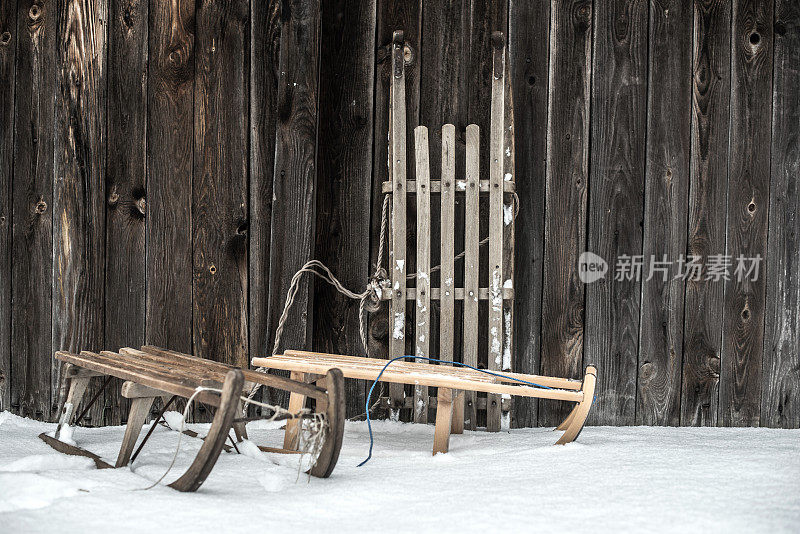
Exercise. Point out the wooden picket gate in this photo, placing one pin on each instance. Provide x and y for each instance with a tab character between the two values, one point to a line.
498	295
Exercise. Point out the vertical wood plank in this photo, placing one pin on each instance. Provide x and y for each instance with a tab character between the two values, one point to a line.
567	175
780	398
471	266
397	255
265	38
495	264
295	171
529	59
748	211
391	15
509	205
126	198
422	316
347	69
8	45
169	168
32	268
447	273
619	122
219	184
79	189
666	194
707	192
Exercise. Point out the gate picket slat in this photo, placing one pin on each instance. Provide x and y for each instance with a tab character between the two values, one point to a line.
422	331
397	257
471	239
495	266
447	289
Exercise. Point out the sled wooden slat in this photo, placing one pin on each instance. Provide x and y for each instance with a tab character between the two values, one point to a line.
447	274
495	266
422	338
396	373
153	372
397	255
460	185
471	266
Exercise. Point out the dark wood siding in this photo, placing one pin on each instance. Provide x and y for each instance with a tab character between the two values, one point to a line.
165	169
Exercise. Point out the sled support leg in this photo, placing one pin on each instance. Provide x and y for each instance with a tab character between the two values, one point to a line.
565	423
334	418
77	388
575	421
140	407
296	403
444	420
457	425
240	429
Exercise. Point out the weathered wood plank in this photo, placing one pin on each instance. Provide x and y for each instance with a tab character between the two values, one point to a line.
219	183
347	70
79	189
422	312
667	178
126	198
391	15
495	269
265	39
8	46
447	317
567	176
32	266
529	59
471	265
748	212
397	253
707	192
169	169
295	171
780	395
619	125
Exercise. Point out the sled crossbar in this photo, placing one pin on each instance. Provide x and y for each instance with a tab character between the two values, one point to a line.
152	372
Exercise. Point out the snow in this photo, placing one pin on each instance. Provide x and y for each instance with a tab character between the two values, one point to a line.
630	479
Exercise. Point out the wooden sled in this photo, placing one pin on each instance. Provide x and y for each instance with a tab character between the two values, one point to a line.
452	383
154	372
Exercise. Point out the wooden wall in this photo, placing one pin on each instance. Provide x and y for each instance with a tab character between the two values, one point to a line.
166	167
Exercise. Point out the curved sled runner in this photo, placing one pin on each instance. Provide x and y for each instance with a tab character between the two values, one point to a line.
152	372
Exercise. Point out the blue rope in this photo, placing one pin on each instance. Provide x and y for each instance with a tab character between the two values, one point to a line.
459	364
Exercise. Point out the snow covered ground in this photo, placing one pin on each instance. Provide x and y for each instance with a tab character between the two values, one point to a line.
614	479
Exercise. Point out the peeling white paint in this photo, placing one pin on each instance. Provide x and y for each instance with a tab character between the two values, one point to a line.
399	325
508	214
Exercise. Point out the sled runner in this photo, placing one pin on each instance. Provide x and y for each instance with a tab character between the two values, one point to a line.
493	197
153	372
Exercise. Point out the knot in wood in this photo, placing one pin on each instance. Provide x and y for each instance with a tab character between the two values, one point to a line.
5	38
41	207
141	206
35	12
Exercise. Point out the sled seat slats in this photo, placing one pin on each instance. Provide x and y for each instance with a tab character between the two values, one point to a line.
461	186
453	382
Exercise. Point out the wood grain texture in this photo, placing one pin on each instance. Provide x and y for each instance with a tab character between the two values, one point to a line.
169	168
616	199
265	39
219	184
780	393
707	192
422	311
529	59
666	194
126	182
567	176
344	188
32	269
748	211
8	45
471	267
79	189
294	189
